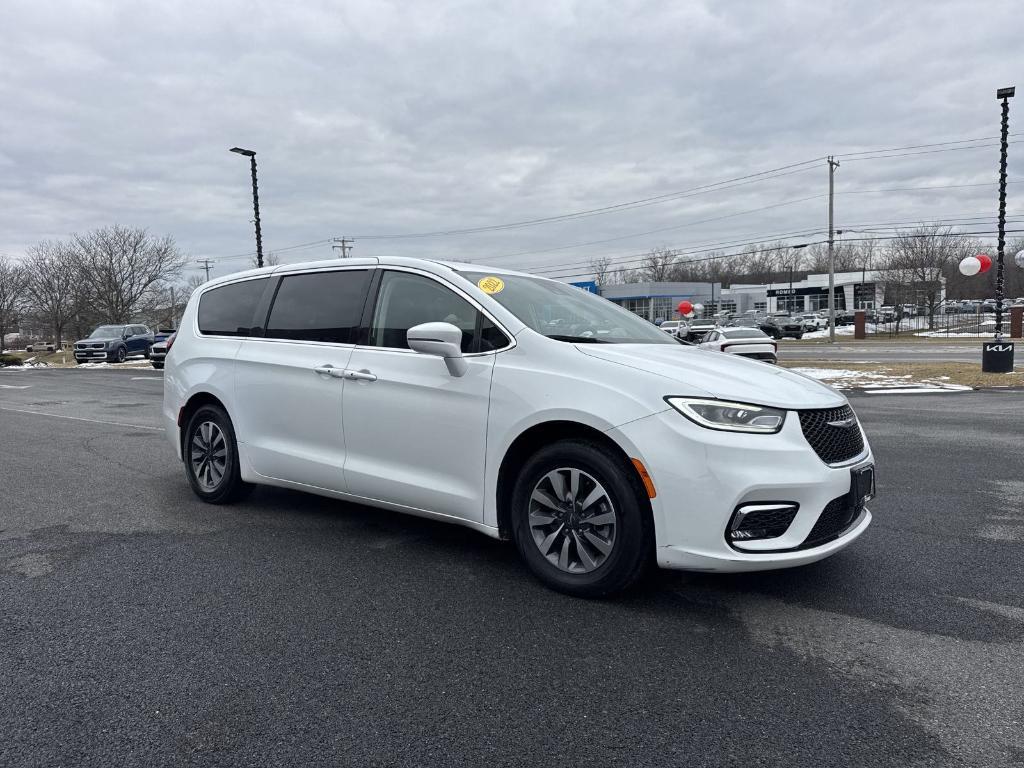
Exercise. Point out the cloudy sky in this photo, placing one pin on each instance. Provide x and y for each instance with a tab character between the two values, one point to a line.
380	118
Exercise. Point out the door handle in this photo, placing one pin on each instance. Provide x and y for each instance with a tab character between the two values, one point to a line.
330	370
363	375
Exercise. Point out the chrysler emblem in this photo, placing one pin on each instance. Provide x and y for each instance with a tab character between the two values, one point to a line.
843	423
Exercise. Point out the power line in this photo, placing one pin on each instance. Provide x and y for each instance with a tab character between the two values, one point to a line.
923	146
925	152
704	189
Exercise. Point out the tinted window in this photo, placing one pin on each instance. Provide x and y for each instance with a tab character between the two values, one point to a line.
319	306
405	300
228	311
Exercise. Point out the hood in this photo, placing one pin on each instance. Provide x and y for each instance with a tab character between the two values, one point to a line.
91	340
720	375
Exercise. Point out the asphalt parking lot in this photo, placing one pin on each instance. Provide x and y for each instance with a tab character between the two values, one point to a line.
141	627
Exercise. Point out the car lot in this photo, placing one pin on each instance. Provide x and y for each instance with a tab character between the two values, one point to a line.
141	627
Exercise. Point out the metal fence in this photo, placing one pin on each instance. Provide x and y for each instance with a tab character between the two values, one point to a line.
944	324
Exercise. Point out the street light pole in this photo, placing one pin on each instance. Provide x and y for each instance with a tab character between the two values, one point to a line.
1005	94
997	355
832	165
255	201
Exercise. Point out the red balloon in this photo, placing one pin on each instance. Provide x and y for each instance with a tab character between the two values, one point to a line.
685	307
986	261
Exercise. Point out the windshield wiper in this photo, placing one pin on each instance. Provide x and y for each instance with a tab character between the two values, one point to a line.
577	339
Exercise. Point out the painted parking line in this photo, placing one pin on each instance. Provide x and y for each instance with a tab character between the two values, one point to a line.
147	378
80	418
13	386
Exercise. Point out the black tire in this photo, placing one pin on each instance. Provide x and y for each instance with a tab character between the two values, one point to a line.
122	353
633	543
158	366
146	353
230	487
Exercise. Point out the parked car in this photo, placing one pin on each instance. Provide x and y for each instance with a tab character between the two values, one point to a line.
746	342
696	329
41	346
814	322
114	343
792	327
887	314
671	327
754	322
438	390
158	352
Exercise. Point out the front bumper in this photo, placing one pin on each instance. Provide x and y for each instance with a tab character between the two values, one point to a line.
701	476
92	354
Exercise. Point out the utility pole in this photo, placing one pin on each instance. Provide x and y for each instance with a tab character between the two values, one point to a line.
205	263
832	165
344	245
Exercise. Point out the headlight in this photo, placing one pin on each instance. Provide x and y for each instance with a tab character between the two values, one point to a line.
727	416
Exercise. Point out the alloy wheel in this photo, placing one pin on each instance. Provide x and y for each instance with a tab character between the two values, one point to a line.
208	455
572	520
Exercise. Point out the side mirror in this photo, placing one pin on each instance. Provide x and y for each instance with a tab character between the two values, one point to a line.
124	335
440	339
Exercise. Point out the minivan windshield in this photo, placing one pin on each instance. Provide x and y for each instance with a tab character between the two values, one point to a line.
107	332
566	313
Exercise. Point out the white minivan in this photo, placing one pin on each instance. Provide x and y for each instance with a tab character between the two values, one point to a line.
519	406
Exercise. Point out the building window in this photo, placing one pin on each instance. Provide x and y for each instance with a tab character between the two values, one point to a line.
791	303
760	306
637	306
664	307
728	306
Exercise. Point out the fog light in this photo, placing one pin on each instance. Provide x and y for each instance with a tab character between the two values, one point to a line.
761	520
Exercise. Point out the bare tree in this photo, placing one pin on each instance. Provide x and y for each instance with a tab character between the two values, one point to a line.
194	281
657	265
271	259
916	262
603	273
13	277
122	267
53	285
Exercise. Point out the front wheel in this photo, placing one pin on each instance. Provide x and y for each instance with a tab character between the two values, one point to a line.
158	366
211	457
581	520
122	353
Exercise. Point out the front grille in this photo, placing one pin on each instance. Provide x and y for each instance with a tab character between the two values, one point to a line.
833	444
838	515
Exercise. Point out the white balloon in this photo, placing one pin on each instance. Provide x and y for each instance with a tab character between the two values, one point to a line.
970	265
1019	259
700	307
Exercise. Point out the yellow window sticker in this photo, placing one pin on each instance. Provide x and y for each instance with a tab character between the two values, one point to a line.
491	284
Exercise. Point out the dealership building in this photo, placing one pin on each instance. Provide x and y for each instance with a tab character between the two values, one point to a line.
863	289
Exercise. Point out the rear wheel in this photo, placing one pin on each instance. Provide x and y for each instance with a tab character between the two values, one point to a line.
210	452
581	520
158	366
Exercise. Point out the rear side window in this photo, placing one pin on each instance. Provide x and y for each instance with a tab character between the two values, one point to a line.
228	311
319	306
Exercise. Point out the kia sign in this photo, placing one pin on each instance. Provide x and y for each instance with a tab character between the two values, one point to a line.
997	356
